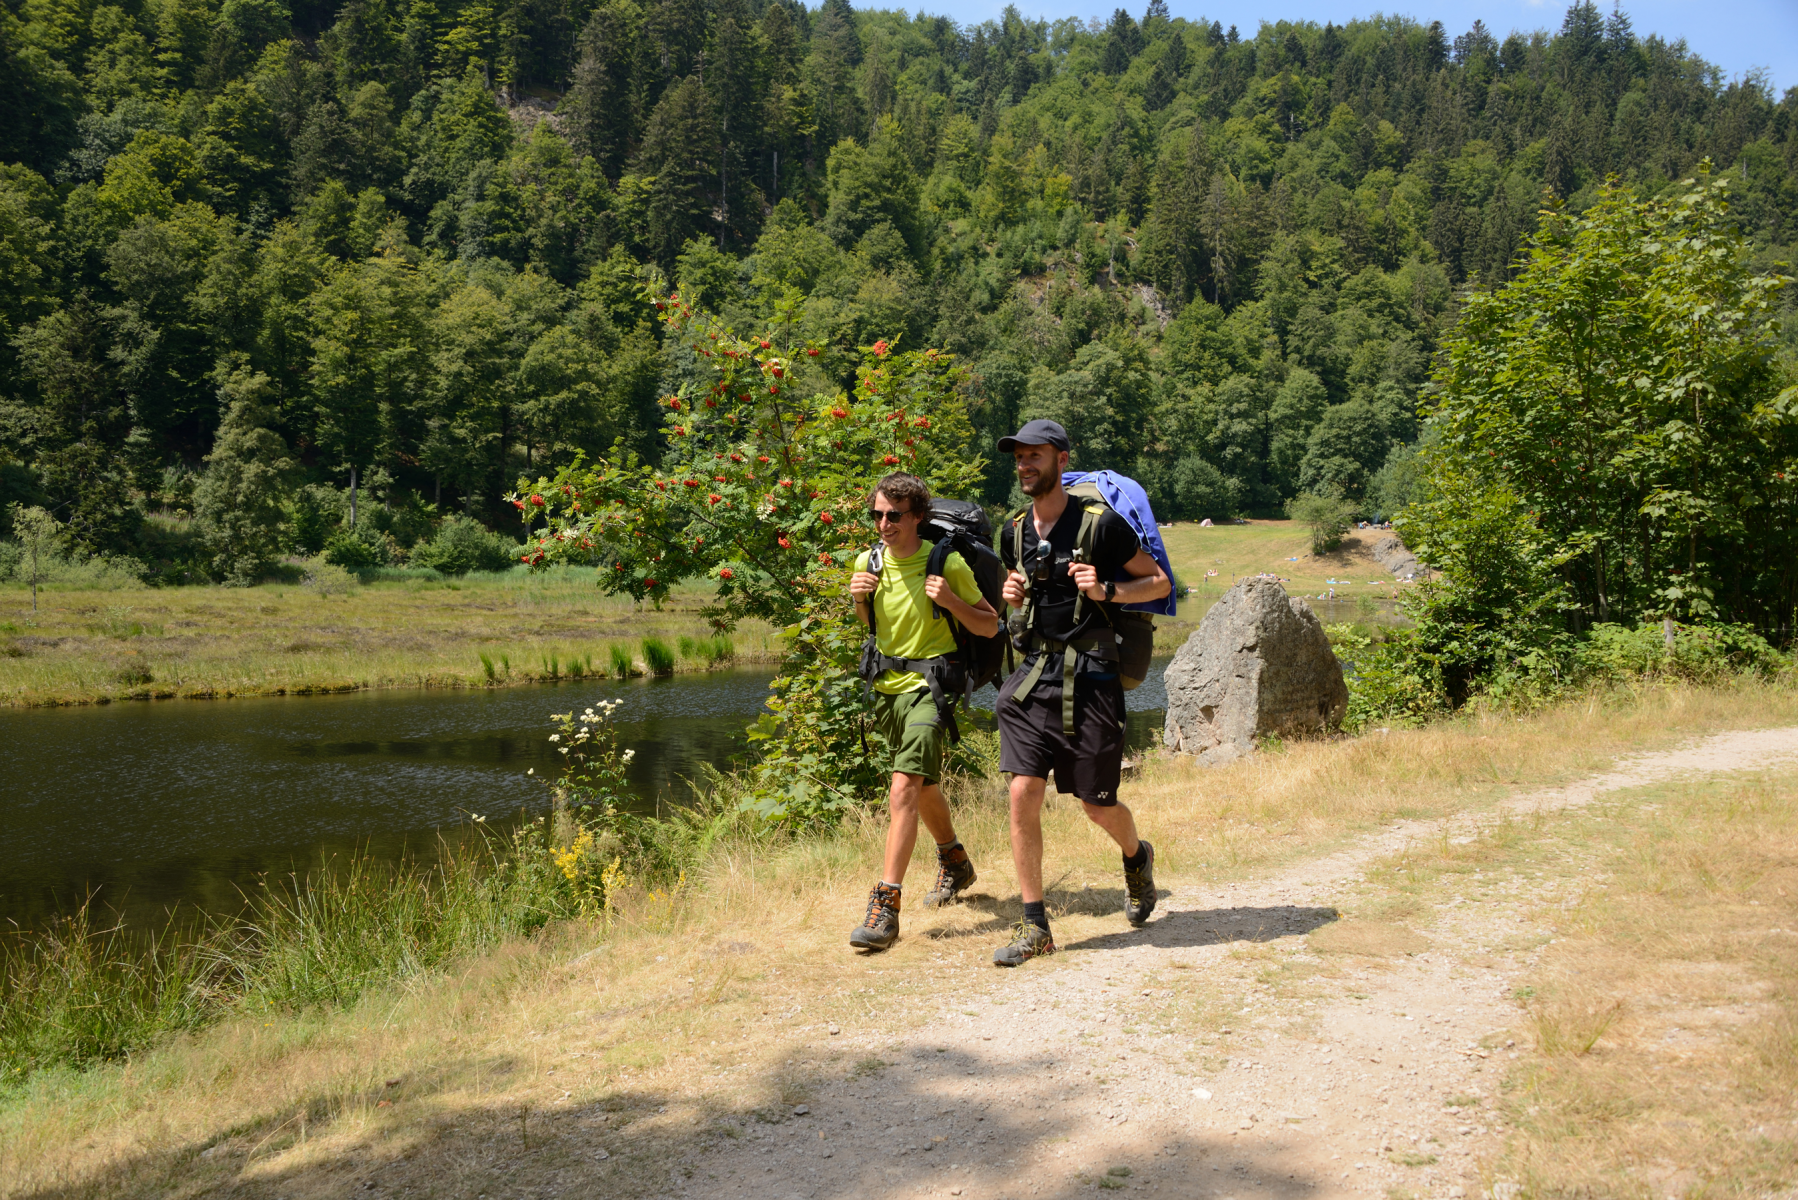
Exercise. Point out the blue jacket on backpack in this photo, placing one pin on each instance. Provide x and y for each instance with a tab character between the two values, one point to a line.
1126	498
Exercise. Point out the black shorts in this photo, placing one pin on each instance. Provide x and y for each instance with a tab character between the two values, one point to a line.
1087	763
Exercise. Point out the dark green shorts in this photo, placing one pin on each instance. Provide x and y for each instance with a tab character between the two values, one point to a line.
908	724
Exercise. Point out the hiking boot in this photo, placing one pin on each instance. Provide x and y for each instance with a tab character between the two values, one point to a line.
954	875
1140	885
1028	940
880	928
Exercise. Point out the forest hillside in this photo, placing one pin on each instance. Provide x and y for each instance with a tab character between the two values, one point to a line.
276	278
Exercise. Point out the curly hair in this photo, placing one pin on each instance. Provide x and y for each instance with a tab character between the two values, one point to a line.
904	489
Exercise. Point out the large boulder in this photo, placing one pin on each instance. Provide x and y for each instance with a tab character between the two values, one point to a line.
1390	552
1258	664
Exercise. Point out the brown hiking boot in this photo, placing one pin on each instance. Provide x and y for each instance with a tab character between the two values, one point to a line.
954	875
880	928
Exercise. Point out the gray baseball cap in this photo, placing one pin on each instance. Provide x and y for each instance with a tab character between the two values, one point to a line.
1036	433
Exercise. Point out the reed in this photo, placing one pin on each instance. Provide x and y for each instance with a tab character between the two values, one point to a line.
80	993
713	650
657	656
622	663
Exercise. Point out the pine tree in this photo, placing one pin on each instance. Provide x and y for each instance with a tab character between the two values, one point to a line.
238	502
680	151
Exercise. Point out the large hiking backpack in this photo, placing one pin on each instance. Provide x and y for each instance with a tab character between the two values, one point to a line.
1133	629
952	527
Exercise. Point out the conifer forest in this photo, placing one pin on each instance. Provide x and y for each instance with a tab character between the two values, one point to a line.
274	276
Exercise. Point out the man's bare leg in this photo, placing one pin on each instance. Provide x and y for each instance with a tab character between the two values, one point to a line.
1031	937
908	799
1116	820
1027	835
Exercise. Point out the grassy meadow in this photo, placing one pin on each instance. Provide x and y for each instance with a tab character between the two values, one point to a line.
86	645
482	630
705	1003
1281	548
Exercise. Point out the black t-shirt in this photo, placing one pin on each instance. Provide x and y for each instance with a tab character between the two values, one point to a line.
1114	544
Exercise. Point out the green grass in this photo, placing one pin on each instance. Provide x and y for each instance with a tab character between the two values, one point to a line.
85	645
75	994
710	650
658	657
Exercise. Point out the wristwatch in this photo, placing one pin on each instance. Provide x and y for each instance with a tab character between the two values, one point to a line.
1111	589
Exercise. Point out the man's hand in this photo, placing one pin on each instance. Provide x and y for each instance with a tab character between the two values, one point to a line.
1086	580
863	583
1016	589
935	586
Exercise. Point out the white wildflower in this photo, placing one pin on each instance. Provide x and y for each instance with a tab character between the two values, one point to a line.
555	737
628	755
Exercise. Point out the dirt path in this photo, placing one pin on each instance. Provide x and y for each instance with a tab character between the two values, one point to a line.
1167	1061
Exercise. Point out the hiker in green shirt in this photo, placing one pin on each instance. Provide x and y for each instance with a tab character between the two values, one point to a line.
900	601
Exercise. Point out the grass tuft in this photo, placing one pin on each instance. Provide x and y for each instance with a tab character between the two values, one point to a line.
657	656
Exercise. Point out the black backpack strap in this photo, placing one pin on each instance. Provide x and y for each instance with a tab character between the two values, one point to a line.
936	564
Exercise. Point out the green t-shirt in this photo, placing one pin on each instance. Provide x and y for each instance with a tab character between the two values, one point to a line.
905	622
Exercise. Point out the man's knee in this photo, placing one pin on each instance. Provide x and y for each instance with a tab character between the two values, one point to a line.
1026	793
1104	814
903	795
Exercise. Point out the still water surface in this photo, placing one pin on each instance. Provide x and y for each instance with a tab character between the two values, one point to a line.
151	805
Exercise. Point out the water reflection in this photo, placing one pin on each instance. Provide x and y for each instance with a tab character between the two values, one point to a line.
150	805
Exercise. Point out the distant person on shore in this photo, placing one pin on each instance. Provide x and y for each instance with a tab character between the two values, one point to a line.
1040	727
893	595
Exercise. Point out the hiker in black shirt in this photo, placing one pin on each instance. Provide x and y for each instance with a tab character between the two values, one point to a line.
1042	723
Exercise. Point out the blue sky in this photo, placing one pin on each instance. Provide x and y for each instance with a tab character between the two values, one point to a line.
1737	35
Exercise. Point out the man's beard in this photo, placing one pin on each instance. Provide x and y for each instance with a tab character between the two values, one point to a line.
1042	485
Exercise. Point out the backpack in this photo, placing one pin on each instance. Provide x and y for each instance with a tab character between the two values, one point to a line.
1133	629
951	527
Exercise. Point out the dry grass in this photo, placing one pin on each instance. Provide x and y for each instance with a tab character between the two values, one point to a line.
713	1006
83	647
1666	1020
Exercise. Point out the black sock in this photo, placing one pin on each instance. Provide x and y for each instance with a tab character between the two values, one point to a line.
1137	861
1033	913
945	849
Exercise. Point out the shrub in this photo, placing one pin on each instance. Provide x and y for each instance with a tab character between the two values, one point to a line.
345	549
1698	651
462	544
1328	518
325	577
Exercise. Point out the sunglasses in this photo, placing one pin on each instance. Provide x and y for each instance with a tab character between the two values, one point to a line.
877	515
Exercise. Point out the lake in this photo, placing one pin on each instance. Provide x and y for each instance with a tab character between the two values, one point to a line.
150	805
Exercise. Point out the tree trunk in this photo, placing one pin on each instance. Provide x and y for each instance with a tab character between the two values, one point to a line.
352	497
